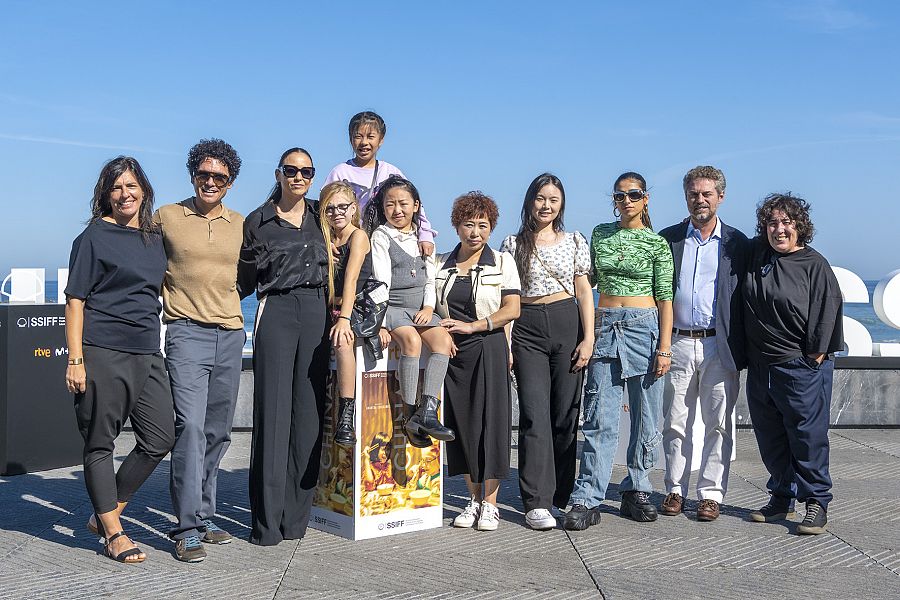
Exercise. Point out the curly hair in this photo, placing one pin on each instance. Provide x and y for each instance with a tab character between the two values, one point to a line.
215	149
705	172
111	171
474	205
797	210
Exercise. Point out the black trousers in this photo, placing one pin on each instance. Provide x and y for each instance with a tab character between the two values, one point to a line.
290	364
543	339
122	385
790	406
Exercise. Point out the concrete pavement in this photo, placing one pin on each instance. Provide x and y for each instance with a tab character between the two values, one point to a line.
46	552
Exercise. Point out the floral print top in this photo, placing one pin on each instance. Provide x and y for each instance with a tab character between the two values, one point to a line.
555	267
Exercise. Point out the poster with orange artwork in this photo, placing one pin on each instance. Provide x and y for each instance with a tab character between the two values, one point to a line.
383	485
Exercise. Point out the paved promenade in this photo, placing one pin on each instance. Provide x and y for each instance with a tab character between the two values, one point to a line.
46	552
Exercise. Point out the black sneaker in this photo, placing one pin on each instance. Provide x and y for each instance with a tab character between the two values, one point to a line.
775	510
637	506
815	520
580	517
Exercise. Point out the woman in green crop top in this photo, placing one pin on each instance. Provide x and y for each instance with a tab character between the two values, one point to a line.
632	267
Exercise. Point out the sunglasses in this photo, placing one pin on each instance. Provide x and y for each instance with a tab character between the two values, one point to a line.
632	195
340	209
201	177
305	172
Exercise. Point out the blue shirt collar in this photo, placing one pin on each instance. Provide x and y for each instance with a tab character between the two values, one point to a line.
717	232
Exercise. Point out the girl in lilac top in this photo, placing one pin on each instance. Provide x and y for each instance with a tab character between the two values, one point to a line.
365	173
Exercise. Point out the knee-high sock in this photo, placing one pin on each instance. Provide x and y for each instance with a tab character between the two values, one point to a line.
435	371
408	374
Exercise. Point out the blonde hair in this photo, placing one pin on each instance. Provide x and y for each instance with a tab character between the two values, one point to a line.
335	188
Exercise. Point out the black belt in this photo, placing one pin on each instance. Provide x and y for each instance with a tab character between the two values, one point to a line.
695	333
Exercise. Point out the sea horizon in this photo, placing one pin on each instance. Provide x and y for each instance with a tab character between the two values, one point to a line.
863	313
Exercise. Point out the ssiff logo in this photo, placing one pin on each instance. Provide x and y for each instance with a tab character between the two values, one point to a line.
47	321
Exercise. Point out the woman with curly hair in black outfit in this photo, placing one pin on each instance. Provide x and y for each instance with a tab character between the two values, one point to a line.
792	319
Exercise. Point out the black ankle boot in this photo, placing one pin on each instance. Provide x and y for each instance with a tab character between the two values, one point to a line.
345	435
416	440
425	420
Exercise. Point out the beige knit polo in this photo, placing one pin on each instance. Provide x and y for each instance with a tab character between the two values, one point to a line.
201	275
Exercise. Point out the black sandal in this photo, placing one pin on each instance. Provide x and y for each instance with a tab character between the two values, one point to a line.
122	556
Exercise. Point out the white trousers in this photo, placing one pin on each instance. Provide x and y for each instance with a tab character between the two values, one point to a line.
698	379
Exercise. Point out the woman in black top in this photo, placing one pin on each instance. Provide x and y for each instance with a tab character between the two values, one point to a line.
284	260
116	370
792	319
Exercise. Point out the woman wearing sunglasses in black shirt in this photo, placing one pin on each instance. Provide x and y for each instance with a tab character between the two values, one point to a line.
284	260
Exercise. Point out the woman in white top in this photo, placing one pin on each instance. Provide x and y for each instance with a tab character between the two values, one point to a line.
552	342
478	293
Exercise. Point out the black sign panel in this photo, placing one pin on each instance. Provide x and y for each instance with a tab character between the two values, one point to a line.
38	430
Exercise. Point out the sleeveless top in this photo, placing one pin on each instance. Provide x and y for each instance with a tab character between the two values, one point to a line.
340	268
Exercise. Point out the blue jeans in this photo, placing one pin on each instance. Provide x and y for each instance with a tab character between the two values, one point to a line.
623	355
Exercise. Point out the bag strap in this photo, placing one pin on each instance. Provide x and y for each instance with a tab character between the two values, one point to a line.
374	180
549	272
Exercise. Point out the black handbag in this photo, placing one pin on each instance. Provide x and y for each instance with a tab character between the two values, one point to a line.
367	317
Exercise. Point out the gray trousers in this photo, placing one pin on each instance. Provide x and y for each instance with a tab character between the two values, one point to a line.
204	364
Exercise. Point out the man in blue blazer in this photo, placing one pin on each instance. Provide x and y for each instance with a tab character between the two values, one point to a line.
707	345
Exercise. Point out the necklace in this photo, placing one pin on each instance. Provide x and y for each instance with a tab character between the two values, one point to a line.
621	248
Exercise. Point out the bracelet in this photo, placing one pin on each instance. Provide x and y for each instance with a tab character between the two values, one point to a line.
76	361
490	323
664	354
343	317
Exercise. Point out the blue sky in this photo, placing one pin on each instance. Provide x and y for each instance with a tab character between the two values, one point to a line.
799	96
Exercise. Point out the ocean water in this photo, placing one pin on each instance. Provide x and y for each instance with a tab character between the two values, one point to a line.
864	313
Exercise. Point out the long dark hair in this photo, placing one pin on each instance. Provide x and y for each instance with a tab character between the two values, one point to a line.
275	194
525	236
112	170
645	214
374	211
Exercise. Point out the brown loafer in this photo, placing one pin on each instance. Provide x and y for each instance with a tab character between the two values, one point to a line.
708	510
672	505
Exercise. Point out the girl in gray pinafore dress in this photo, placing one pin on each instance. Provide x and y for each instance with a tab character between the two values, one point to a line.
410	318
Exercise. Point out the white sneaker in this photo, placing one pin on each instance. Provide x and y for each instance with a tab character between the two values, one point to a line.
489	519
540	519
468	516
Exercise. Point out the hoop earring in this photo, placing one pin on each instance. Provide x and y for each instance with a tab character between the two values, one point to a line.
616	212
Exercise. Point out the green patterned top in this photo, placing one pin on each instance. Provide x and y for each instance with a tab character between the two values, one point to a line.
631	262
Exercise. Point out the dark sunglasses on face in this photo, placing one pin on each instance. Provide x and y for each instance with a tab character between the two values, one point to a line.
305	172
632	195
340	209
201	177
